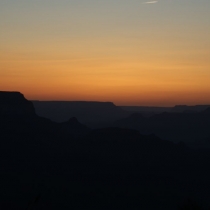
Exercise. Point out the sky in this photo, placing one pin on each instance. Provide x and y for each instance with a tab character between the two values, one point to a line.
130	52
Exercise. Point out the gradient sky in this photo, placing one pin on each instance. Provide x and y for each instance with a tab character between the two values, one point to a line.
131	52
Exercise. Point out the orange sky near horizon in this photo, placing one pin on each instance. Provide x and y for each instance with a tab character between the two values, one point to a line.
107	79
153	61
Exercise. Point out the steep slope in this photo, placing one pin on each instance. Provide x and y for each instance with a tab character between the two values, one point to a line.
14	104
17	117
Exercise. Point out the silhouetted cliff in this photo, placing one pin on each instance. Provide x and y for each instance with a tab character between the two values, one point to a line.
15	104
18	117
49	165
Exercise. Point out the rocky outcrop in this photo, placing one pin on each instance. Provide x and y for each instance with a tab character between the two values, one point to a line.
18	117
14	104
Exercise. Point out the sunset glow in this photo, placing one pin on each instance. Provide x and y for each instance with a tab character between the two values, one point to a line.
122	51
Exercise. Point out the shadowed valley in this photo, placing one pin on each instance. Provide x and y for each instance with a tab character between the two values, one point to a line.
114	159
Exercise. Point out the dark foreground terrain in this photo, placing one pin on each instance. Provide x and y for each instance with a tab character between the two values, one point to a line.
49	165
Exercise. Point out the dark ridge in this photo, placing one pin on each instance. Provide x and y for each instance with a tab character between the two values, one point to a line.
115	133
84	111
74	123
15	104
150	110
73	126
189	127
117	145
185	108
146	109
206	111
18	117
49	165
